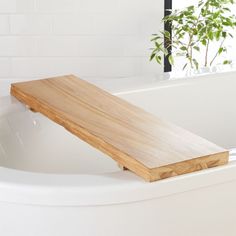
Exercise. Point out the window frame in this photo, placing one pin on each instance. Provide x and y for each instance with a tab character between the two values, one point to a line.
167	27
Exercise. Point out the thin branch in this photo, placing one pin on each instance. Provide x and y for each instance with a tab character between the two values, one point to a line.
217	53
206	54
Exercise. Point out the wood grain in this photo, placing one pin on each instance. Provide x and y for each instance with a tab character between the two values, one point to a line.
152	148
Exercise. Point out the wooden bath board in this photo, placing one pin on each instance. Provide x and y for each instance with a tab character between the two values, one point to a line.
141	142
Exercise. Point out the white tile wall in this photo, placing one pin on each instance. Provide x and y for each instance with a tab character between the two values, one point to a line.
90	38
4	24
8	6
30	24
5	67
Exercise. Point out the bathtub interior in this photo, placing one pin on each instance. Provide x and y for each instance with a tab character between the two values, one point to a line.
31	142
204	106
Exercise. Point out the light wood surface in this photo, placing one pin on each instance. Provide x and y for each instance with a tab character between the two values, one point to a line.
141	142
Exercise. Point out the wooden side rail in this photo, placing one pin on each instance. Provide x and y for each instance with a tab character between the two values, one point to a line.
152	148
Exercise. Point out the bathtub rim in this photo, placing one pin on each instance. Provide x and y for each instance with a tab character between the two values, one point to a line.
28	188
119	86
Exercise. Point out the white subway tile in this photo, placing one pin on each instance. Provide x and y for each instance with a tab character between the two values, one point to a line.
15	46
59	5
137	47
7	6
150	68
5	66
122	5
75	24
4	88
60	46
4	24
81	6
108	23
92	46
114	23
30	67
104	5
150	23
30	24
83	67
138	23
25	6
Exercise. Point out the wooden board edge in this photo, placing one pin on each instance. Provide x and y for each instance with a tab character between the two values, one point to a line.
184	167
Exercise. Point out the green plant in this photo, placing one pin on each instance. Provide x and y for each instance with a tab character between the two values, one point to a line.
194	29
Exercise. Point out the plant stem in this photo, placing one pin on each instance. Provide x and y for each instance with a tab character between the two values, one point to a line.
217	53
190	47
189	54
206	54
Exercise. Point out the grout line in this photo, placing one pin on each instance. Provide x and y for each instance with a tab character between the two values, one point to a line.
9	24
75	57
35	6
78	35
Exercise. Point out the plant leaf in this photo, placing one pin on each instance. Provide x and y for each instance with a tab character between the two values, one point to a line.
197	48
158	59
152	56
171	59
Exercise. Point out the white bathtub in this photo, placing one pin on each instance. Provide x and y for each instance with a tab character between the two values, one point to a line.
53	184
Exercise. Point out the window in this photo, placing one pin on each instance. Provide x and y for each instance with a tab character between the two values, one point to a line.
168	6
178	4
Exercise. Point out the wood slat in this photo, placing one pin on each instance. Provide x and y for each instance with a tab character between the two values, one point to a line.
150	147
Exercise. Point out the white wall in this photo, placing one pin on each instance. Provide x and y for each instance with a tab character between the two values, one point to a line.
90	38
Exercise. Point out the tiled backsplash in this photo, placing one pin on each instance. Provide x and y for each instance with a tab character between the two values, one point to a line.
90	38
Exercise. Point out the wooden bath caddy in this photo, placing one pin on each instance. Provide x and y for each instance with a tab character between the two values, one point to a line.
139	141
